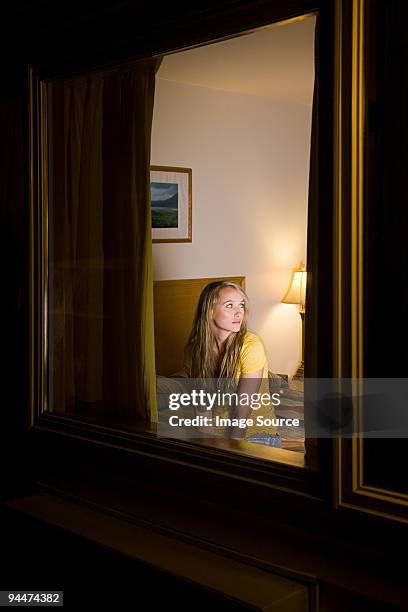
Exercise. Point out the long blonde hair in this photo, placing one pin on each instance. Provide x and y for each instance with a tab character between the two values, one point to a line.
199	348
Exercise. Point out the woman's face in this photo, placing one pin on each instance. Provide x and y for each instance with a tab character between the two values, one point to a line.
228	313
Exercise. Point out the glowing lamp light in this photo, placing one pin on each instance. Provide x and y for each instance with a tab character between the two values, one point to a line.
296	294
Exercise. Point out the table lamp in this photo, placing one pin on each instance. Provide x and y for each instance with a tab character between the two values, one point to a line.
296	294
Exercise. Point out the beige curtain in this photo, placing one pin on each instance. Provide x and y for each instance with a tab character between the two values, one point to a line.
101	336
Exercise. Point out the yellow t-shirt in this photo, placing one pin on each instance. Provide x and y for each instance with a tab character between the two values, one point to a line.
252	359
253	356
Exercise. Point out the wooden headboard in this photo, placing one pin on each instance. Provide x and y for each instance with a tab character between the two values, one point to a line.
175	302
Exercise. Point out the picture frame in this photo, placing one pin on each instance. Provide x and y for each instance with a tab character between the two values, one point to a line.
171	203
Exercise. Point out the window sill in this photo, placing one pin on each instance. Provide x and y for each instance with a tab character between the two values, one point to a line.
237	447
230	578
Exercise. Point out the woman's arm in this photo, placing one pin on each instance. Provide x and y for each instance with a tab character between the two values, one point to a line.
247	384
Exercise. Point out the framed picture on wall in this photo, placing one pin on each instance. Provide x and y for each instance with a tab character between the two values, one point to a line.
170	190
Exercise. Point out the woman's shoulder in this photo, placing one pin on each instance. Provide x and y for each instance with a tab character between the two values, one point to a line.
252	342
250	339
253	355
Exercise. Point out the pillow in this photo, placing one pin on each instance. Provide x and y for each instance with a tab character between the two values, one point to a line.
277	381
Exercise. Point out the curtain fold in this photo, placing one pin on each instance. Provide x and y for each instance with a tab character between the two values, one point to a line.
101	287
312	301
311	323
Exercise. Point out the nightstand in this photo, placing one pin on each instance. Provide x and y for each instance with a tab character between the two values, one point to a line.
292	407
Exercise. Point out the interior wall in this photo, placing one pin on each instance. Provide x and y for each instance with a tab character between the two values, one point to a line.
250	169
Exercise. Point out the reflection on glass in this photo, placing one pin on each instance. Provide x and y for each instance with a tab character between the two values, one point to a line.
238	114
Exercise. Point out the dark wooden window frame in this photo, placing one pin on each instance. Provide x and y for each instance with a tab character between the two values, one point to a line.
61	447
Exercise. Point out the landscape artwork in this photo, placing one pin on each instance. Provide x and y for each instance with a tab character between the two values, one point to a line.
171	203
164	198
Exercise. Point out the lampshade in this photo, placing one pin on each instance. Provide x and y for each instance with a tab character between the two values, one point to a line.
296	293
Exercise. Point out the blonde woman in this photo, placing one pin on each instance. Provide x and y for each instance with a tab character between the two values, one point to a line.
221	347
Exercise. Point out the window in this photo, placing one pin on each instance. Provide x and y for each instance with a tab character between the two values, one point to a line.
238	114
108	419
